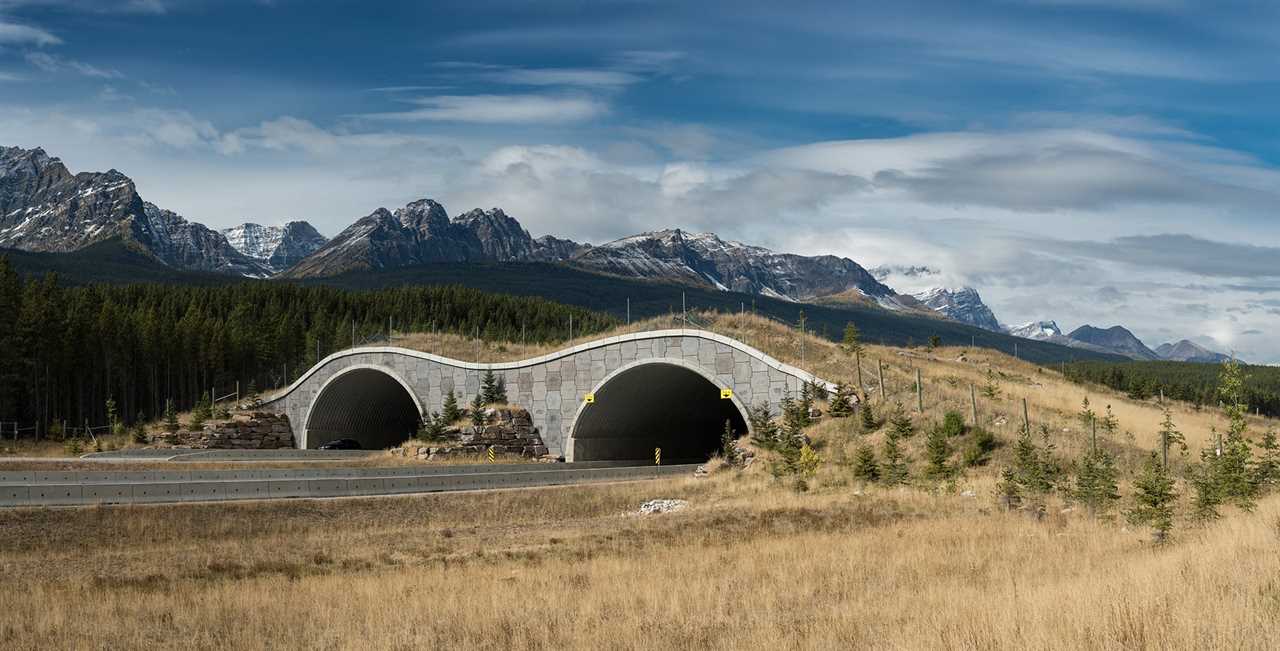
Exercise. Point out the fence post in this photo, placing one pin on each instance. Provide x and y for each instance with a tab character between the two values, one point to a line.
919	392
884	397
973	400
1026	417
858	355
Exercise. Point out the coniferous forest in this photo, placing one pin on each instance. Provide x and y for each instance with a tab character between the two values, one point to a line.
64	351
1193	383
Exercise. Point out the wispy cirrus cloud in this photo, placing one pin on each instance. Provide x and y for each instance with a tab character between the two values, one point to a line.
12	33
56	64
498	109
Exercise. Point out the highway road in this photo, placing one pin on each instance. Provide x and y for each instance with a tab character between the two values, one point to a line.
24	488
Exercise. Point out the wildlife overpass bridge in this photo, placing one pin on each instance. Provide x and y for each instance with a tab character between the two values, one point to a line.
613	399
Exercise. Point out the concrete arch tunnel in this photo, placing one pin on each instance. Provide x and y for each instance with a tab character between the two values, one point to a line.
655	404
650	389
369	404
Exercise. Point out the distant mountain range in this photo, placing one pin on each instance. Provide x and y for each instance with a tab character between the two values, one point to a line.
1117	340
46	208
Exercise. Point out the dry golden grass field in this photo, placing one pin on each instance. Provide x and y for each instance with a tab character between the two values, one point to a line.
751	563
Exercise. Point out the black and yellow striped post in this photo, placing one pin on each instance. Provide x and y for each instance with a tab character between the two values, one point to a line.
657	456
491	454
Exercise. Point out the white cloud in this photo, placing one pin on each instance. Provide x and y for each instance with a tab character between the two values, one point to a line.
51	63
18	34
494	109
584	77
9	76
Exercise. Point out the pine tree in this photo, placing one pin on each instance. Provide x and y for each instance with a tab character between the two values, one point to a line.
795	418
895	469
991	389
935	341
864	464
852	339
1096	482
901	422
764	429
953	424
452	412
1030	469
201	413
841	406
489	388
500	390
1087	415
1008	492
1234	467
170	416
1153	499
937	453
1170	436
432	427
729	445
478	416
1204	480
869	423
1267	471
1109	423
113	417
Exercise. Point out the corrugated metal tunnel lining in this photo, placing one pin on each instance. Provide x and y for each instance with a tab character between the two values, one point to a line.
366	405
654	405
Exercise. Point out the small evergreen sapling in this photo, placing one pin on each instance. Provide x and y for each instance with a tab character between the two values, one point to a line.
895	469
851	341
1096	485
1267	470
1008	492
869	423
953	424
1153	499
901	423
864	464
170	416
478	417
937	453
841	406
729	445
979	450
452	412
764	430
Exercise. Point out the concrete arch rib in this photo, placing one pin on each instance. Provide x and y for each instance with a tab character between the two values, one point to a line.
369	403
667	403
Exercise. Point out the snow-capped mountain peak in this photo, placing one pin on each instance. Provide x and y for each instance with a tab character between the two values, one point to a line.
1039	330
961	304
278	247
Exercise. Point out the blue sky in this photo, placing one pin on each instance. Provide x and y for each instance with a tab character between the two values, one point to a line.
1077	160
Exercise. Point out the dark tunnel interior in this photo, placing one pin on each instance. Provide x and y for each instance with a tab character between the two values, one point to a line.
366	405
655	406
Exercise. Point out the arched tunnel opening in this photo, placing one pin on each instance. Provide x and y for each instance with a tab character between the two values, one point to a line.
655	405
366	405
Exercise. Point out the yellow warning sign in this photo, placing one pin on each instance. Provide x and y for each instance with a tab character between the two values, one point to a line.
726	394
589	398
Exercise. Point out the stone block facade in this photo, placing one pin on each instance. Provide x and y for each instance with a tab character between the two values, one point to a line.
552	387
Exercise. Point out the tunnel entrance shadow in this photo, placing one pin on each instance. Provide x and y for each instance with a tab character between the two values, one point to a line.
365	404
655	405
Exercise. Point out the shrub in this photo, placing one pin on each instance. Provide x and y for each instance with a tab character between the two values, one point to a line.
953	424
980	447
74	446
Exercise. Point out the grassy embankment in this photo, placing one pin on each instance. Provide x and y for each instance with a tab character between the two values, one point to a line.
751	563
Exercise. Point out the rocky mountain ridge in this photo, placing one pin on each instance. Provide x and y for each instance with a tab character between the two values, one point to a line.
963	304
277	247
46	208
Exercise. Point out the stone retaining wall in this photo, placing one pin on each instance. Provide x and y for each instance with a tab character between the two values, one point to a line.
253	431
509	431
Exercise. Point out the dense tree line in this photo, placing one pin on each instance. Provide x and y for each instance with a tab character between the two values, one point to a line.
1194	383
65	351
